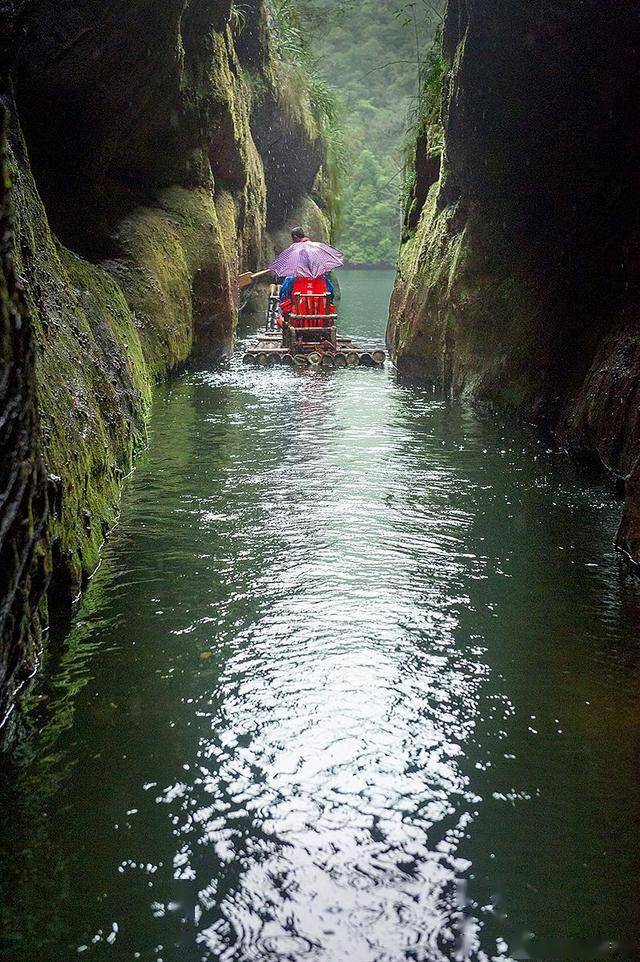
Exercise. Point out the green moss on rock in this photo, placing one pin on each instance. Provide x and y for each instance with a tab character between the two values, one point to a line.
516	284
140	193
23	557
93	385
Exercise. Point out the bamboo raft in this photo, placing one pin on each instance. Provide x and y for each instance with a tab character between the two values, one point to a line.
315	346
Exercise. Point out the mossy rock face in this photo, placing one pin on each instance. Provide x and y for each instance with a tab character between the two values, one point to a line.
515	283
118	103
139	195
23	561
93	387
284	129
177	278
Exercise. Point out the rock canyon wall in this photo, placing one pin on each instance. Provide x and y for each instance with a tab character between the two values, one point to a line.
519	274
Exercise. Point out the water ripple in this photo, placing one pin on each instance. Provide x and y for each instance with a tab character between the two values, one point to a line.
349	687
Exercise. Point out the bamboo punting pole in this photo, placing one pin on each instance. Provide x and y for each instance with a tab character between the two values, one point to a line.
248	278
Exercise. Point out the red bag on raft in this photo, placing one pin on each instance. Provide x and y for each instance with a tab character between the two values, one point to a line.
312	294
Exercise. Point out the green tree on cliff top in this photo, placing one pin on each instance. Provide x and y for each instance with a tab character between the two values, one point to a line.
371	52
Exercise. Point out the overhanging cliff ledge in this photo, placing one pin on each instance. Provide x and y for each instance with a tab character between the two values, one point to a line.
519	273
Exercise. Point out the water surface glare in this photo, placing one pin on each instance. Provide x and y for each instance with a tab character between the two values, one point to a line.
356	682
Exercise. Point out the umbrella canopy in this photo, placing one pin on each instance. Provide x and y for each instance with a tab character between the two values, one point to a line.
310	259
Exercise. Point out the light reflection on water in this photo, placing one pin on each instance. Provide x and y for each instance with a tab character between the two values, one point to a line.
357	683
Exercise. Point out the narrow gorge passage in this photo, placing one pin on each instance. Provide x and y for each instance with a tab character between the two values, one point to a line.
357	679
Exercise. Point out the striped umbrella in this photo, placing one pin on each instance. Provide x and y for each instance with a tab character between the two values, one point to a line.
309	259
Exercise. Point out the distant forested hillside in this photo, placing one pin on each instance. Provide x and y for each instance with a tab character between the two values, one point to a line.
369	51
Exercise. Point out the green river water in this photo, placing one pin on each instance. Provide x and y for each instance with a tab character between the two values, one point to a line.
357	681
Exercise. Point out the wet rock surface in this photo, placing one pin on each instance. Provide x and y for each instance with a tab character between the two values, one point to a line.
138	192
22	483
519	275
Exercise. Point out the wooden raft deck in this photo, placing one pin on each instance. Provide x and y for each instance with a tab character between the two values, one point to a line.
269	351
